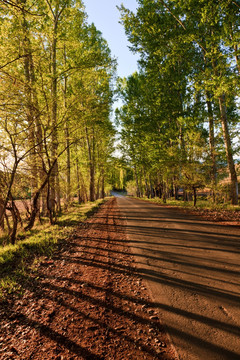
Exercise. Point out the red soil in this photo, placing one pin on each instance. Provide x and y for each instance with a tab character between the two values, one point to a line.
87	302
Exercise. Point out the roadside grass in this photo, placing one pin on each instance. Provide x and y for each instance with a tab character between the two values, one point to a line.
30	248
201	204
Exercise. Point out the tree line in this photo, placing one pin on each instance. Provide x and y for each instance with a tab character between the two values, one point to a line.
56	137
180	116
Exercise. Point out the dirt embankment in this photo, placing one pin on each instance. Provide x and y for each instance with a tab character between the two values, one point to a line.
87	302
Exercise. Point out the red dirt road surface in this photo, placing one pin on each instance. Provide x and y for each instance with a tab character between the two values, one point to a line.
192	268
87	302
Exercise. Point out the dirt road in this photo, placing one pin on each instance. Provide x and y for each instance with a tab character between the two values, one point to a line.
87	302
192	268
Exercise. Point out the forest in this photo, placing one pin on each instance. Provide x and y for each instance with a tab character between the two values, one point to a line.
55	102
180	115
177	131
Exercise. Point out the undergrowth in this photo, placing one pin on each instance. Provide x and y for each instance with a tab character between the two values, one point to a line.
43	240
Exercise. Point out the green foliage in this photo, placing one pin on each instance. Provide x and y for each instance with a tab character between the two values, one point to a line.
56	95
180	111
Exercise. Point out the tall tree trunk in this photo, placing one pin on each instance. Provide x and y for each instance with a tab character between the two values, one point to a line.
91	151
194	196
68	170
92	183
212	144
40	167
53	179
164	192
102	185
152	192
137	183
227	142
98	188
28	65
58	190
2	214
68	189
14	226
147	189
16	218
176	189
10	185
78	182
229	151
140	184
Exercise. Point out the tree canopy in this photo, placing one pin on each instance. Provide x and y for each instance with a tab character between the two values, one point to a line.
56	74
179	119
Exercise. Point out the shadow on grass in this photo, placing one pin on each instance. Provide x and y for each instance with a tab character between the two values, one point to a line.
15	260
80	217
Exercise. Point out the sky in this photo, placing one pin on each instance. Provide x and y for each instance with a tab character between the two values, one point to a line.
105	16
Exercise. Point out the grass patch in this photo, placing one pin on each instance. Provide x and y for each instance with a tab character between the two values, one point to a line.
201	204
78	213
43	240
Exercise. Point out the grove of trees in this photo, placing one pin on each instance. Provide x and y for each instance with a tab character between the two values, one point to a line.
179	121
56	137
180	116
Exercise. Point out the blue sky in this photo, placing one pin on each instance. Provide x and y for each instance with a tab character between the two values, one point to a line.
105	16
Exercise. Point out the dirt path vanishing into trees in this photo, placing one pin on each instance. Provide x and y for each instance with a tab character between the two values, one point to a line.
128	270
87	302
192	268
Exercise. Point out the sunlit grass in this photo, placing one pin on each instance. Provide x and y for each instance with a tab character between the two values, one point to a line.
43	240
201	204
